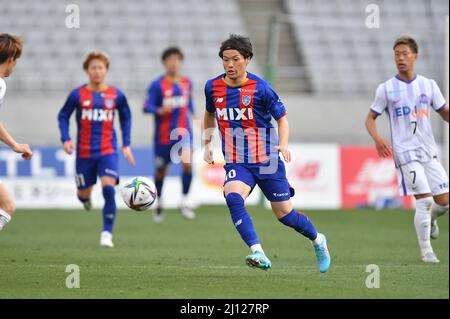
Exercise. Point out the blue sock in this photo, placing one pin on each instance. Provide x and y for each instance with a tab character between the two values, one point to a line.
159	185
241	219
83	200
300	223
187	179
110	209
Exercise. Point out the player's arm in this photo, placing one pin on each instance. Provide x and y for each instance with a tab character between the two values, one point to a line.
125	126
384	149
278	111
283	132
191	104
153	103
444	113
64	121
438	101
209	125
23	149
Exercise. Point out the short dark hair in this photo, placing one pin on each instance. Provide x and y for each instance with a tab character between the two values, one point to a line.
96	55
172	51
10	47
239	43
409	41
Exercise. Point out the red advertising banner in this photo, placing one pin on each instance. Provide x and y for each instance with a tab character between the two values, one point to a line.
368	180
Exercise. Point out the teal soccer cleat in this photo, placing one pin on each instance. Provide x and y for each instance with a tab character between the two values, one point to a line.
323	256
258	260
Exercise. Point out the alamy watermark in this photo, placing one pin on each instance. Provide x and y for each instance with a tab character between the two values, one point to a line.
73	279
373	279
373	17
73	16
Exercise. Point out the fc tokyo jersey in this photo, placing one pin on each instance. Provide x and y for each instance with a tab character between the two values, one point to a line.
2	91
95	112
177	95
408	105
244	116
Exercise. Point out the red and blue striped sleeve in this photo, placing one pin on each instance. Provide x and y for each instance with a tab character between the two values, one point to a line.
209	97
65	113
125	118
273	103
154	98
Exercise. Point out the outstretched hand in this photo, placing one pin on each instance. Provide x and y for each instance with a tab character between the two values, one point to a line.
208	156
23	149
128	154
384	149
285	152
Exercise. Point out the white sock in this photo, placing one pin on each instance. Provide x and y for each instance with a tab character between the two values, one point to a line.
184	201
438	210
5	218
422	222
256	247
318	240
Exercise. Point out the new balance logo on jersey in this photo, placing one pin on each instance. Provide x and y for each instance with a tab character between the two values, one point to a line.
235	114
97	115
219	100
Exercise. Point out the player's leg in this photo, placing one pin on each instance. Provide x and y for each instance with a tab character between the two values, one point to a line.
288	216
109	176
85	178
186	179
277	190
162	159
413	181
438	209
239	183
7	207
438	181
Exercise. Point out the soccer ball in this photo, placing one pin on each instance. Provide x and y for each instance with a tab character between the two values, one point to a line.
139	193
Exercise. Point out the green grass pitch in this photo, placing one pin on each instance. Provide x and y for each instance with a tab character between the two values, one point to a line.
205	258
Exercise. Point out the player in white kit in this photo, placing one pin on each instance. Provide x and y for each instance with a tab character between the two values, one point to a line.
408	99
10	51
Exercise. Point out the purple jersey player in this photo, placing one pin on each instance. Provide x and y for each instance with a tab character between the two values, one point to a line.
243	105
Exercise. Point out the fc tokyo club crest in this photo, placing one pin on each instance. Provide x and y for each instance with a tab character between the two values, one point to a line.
246	99
109	103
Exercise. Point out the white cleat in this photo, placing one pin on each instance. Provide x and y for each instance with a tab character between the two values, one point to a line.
3	221
106	239
187	213
434	234
430	257
158	216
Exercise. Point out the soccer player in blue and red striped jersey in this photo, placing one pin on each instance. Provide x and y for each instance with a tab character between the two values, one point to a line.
170	100
243	105
95	104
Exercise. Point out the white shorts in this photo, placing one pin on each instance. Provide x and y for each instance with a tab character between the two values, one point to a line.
417	178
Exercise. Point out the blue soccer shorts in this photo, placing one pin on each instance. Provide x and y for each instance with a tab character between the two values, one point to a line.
275	186
162	153
87	169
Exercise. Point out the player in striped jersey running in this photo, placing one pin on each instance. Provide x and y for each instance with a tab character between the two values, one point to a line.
408	99
242	104
170	99
95	104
